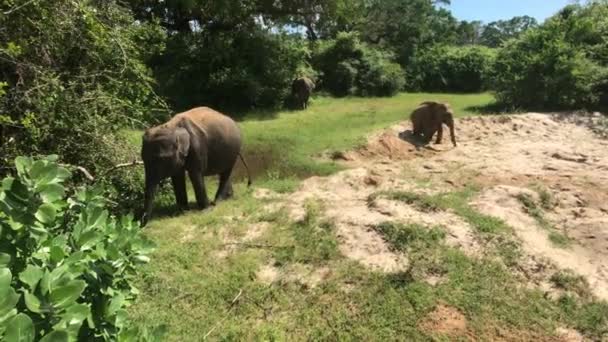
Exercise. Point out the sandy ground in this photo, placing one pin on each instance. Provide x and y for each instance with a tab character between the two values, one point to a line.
507	155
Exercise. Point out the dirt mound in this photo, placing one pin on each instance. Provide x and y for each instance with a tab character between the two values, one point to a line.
445	320
508	155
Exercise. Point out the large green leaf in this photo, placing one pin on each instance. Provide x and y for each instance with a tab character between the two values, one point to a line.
73	318
51	192
56	336
22	163
115	304
8	301
31	276
38	170
57	254
31	302
78	312
5	259
66	295
5	281
16	190
46	213
89	239
20	329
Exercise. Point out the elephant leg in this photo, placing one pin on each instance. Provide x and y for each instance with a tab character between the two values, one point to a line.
439	135
198	182
428	136
179	188
224	191
416	132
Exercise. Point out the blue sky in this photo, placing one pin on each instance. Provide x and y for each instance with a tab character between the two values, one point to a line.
491	10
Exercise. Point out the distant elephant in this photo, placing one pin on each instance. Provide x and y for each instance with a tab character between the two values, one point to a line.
202	142
301	89
429	118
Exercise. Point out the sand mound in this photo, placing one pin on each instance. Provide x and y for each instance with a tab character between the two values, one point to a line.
508	155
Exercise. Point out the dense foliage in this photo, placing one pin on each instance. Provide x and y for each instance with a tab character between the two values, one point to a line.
347	66
73	73
235	70
562	64
66	264
452	69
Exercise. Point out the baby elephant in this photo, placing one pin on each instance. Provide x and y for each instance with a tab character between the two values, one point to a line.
429	118
301	89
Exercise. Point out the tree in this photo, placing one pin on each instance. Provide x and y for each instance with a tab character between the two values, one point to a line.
403	26
469	32
497	32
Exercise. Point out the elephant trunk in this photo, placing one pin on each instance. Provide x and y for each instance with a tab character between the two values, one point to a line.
148	200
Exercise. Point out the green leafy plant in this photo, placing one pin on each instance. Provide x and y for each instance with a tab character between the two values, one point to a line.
66	264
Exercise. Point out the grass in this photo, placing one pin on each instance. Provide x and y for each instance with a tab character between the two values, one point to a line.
280	144
572	282
537	214
190	290
457	201
198	285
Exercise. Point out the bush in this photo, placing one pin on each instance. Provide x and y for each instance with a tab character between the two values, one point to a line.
451	69
74	74
349	67
232	71
561	65
66	265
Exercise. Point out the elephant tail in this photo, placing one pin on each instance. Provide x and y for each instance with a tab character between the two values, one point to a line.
246	168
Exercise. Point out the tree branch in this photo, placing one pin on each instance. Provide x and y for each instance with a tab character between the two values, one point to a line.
226	316
90	177
18	7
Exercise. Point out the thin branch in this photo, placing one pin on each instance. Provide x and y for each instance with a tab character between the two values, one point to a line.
90	177
18	7
225	316
84	171
121	166
253	245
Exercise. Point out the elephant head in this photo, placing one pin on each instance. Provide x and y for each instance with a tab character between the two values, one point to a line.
164	152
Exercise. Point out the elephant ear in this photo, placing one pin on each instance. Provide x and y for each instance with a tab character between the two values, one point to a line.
182	138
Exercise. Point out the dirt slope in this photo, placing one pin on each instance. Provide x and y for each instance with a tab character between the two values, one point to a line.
508	156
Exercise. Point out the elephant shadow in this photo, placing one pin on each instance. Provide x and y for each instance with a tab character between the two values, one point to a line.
417	142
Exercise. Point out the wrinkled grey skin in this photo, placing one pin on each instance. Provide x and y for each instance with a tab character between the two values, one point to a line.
200	141
301	89
429	118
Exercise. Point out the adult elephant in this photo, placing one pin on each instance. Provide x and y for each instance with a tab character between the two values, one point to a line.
429	118
301	89
202	142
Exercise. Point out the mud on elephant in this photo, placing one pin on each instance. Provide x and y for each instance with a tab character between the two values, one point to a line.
202	142
301	89
429	118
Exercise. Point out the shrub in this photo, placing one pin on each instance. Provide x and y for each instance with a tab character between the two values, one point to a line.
66	264
379	77
349	67
73	74
233	70
561	65
451	69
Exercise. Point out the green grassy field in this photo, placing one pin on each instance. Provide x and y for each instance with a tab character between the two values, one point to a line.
199	285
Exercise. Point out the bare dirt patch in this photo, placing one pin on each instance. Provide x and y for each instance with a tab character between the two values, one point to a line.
306	275
556	152
445	320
